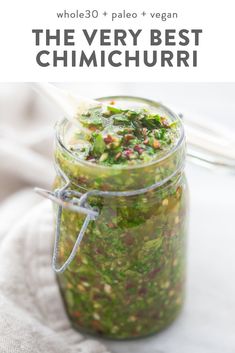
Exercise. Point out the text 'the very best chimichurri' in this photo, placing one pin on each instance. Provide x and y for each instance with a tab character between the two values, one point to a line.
127	278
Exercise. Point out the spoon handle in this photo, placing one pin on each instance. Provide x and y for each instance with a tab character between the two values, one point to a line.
69	104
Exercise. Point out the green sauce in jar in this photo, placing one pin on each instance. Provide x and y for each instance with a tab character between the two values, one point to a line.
127	279
123	137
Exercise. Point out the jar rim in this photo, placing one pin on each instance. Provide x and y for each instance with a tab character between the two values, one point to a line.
61	124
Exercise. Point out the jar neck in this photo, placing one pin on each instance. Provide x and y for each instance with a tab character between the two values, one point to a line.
92	177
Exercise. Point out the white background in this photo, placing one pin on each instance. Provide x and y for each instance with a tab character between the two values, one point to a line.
215	57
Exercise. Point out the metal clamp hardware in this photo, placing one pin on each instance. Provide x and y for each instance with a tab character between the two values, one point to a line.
77	202
69	199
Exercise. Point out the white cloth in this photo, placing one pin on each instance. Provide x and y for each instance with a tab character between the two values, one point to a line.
32	316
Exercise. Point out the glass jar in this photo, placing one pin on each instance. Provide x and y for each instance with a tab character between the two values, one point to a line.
126	279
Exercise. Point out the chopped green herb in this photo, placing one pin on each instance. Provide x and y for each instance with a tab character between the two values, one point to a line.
115	110
98	145
132	135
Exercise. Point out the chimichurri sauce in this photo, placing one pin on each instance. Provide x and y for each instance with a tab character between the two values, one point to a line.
123	137
127	279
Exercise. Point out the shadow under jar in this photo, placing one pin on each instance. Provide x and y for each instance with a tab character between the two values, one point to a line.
127	277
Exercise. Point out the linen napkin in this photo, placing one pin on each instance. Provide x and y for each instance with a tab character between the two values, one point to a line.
32	316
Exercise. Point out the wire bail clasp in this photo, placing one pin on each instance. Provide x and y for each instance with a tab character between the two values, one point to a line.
74	201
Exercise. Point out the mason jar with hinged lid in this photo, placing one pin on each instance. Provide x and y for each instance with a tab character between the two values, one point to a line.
120	246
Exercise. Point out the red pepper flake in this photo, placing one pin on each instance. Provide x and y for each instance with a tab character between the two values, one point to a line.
164	122
153	273
82	179
142	291
128	153
128	137
139	149
90	159
77	314
99	296
108	139
111	225
98	251
92	128
96	325
146	141
129	285
128	240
